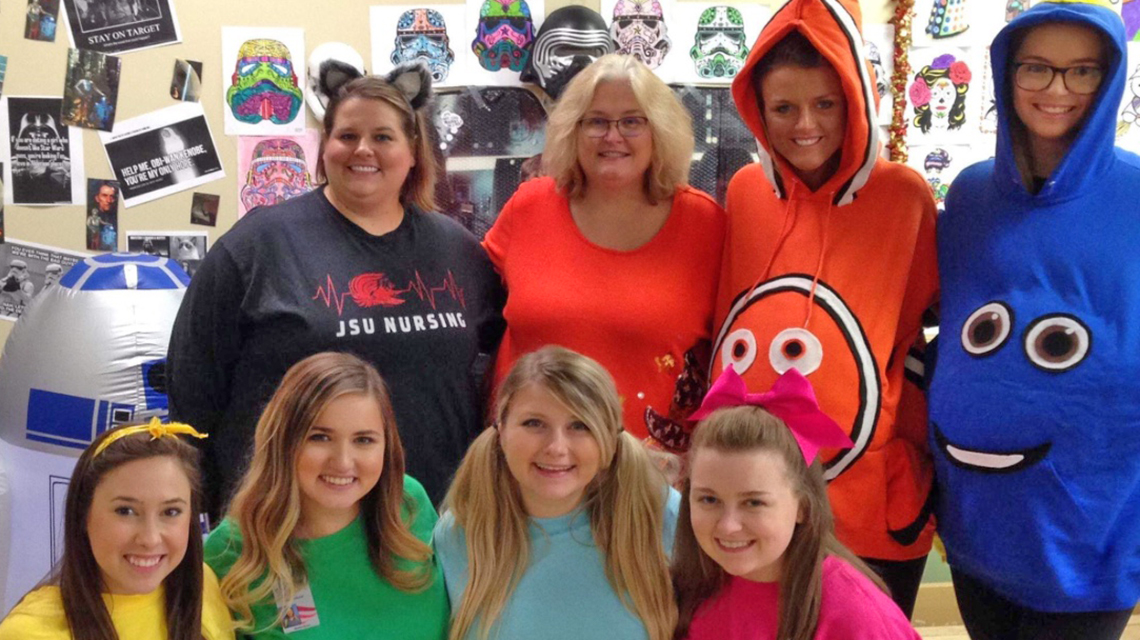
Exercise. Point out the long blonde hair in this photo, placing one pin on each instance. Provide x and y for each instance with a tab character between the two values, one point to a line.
625	502
697	577
267	506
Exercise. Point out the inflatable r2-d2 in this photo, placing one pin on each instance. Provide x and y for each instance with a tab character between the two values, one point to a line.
88	353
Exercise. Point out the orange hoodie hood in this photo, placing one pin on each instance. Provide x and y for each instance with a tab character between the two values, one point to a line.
833	27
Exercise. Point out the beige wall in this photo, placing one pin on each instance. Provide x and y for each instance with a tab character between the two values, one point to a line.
37	68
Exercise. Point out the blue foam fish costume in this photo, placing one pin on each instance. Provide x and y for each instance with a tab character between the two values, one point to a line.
1035	400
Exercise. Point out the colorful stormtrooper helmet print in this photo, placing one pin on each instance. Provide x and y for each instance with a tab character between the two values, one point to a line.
264	86
421	34
638	29
504	36
336	58
277	172
570	39
719	46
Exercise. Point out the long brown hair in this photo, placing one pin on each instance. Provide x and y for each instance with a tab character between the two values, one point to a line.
78	574
696	577
625	503
267	505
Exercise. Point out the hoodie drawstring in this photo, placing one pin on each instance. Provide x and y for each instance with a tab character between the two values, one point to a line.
819	263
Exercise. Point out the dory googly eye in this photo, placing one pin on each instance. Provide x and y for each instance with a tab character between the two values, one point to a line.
987	329
1057	342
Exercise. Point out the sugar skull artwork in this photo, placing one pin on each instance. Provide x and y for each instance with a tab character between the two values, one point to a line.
263	94
569	40
720	45
421	34
938	94
275	169
639	29
504	34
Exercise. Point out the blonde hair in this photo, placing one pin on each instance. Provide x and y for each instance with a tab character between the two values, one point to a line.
625	502
267	506
697	577
669	123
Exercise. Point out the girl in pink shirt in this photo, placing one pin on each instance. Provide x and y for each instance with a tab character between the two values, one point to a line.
756	555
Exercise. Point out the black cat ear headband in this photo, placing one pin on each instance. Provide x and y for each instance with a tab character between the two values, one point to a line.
411	78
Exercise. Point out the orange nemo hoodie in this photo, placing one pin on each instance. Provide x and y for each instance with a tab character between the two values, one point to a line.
835	282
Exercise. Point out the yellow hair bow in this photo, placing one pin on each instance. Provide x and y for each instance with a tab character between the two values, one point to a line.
155	428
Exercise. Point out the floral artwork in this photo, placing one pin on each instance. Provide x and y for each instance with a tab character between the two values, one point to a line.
939	94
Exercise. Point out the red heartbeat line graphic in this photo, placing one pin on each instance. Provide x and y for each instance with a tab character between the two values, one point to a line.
374	289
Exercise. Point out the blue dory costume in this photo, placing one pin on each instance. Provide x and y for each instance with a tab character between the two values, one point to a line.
1035	402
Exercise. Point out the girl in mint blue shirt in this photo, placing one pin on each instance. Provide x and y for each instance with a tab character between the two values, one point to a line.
558	524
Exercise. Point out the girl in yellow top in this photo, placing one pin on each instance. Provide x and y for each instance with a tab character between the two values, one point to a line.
132	558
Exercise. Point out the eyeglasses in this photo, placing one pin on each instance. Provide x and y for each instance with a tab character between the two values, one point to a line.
628	127
1034	76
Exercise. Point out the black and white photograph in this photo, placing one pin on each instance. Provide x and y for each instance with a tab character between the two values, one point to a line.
28	269
162	152
2	203
119	26
186	83
187	248
91	89
45	157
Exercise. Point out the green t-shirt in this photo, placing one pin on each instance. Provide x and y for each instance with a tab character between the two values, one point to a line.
351	601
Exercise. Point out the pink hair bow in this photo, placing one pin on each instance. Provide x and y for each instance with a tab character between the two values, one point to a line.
791	400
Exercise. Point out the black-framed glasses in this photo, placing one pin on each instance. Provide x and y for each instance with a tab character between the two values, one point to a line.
628	127
1035	76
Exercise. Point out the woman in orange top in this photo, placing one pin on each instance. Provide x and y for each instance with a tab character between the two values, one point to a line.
613	255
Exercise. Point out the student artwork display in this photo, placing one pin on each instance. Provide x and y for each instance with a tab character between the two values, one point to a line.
1128	122
162	152
712	41
263	96
119	26
91	89
940	164
640	28
40	20
275	169
45	157
987	120
499	41
407	33
939	97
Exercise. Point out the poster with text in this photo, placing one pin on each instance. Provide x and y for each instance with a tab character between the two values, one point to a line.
432	34
711	41
162	152
119	26
497	43
274	169
261	90
26	270
44	157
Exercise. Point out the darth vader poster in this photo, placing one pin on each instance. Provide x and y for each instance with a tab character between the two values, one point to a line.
45	165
